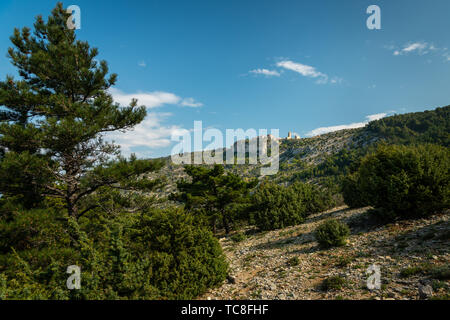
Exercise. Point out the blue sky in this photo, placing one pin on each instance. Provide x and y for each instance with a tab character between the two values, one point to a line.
290	65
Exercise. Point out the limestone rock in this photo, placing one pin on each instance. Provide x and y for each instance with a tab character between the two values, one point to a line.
425	291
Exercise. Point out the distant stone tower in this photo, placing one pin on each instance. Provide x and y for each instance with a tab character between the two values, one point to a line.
289	135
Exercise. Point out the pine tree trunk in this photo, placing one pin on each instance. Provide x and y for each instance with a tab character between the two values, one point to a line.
214	226
226	225
72	209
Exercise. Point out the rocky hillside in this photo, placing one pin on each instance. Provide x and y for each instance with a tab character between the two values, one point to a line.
413	256
295	157
330	155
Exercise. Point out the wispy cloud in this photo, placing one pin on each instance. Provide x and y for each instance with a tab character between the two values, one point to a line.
376	116
142	64
322	130
149	134
446	54
152	99
266	72
304	70
308	71
420	48
190	102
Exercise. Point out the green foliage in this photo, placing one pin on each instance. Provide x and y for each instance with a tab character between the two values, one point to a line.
343	261
67	197
332	233
333	283
441	272
403	181
411	271
435	272
34	229
187	258
275	207
53	119
294	261
353	197
154	255
337	164
316	199
218	196
238	237
412	128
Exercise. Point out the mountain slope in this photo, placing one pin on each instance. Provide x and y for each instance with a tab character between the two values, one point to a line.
289	264
325	158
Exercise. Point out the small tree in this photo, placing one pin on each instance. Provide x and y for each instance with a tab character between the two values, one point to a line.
352	193
332	233
53	121
315	198
404	181
275	207
218	195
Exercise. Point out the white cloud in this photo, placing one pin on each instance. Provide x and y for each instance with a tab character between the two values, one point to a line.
322	130
335	80
377	116
307	71
420	48
415	46
303	69
266	72
142	64
446	55
147	135
190	102
151	133
152	99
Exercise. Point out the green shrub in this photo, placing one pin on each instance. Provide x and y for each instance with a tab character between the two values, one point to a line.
333	283
411	271
152	255
343	261
332	233
441	272
275	207
186	259
437	285
404	181
315	199
351	192
28	229
294	261
238	237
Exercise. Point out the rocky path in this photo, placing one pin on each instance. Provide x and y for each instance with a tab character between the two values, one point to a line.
288	264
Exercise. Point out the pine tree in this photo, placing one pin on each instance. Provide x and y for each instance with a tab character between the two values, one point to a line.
54	119
213	192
